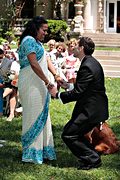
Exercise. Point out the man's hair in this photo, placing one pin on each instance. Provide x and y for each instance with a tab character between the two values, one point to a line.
1	51
32	27
88	44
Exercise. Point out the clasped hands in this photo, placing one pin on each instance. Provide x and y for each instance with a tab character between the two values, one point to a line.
53	89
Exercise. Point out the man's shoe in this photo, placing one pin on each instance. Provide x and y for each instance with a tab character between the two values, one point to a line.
84	166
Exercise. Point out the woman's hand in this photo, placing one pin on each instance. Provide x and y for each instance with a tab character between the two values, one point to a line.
49	85
53	91
58	78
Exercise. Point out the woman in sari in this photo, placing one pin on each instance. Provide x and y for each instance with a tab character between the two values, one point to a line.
34	90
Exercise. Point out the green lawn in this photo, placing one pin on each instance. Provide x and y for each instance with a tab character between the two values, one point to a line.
65	167
108	48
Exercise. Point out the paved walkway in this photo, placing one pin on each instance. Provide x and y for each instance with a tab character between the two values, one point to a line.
110	61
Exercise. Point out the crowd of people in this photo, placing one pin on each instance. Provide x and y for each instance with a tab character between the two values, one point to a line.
59	53
63	59
9	71
70	66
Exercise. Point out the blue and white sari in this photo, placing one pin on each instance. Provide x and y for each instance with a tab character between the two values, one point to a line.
37	138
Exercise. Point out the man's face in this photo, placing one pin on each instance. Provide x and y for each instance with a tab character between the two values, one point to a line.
78	52
42	32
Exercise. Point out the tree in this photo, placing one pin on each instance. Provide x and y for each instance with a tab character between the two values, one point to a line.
12	10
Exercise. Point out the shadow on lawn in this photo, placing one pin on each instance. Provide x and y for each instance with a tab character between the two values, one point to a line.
10	131
10	154
66	159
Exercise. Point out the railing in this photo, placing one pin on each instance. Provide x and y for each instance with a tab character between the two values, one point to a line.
18	26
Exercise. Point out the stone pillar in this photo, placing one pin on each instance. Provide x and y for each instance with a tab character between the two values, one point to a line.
64	10
87	16
78	19
100	10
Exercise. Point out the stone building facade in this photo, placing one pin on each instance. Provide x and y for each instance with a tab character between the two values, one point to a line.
98	15
82	15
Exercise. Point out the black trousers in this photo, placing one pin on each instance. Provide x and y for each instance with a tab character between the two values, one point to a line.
73	136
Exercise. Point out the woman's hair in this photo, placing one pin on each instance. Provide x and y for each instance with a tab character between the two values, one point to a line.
32	27
72	41
51	41
62	45
88	44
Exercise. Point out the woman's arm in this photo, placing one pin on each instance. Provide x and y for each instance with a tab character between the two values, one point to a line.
51	66
53	70
38	70
36	67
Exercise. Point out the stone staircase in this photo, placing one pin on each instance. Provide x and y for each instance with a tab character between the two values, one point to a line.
110	61
105	40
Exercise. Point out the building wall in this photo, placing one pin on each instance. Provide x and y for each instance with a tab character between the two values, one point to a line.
94	12
46	9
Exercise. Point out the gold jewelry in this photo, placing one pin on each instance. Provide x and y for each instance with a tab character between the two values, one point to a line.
56	75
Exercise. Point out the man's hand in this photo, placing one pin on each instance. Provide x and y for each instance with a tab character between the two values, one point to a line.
63	84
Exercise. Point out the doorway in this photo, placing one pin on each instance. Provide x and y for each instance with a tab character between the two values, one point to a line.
111	16
118	17
28	9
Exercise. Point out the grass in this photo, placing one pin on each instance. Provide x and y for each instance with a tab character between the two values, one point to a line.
12	168
108	48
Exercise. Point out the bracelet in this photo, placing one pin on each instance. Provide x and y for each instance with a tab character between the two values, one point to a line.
49	85
56	75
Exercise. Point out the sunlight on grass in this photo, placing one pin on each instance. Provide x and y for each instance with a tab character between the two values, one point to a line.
108	48
12	168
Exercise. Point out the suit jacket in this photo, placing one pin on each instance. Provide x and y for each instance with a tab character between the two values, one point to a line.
89	93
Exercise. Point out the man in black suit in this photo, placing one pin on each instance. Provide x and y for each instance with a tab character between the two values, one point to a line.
91	106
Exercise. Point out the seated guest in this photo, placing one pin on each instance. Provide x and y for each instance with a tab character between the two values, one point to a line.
51	46
57	59
71	63
11	93
5	65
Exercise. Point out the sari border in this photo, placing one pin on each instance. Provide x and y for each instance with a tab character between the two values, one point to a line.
37	127
38	156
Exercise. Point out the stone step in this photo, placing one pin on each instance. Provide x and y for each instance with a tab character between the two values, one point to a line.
105	40
107	54
111	67
108	58
114	74
109	62
103	35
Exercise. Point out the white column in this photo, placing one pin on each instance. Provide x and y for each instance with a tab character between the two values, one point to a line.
101	15
104	17
87	16
78	19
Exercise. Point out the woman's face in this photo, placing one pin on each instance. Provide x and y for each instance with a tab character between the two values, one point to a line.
51	46
42	32
59	49
71	46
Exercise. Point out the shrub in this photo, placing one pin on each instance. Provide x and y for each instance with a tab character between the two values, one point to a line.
57	30
2	40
